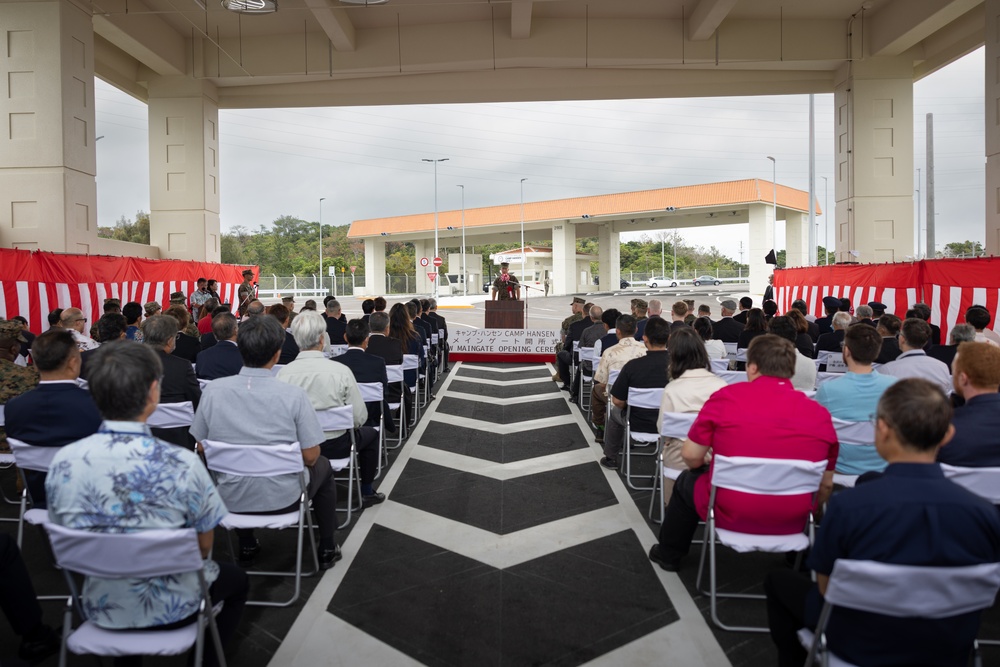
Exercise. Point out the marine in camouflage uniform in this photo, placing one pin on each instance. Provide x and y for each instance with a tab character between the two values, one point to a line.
246	292
577	315
14	380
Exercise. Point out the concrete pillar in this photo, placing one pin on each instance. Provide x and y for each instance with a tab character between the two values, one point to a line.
184	168
374	267
761	242
873	117
48	192
423	249
796	238
992	101
609	257
563	259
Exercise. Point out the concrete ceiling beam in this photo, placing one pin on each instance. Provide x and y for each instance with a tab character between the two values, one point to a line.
902	24
707	17
335	23
520	19
146	37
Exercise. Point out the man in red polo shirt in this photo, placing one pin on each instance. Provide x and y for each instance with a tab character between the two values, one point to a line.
765	417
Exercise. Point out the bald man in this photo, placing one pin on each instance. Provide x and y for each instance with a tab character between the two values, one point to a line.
74	320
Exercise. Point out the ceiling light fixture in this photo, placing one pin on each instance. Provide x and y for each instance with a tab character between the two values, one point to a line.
251	6
364	2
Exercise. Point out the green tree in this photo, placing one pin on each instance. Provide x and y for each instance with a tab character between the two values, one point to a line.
962	249
127	230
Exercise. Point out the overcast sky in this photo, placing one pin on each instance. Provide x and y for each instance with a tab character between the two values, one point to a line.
366	161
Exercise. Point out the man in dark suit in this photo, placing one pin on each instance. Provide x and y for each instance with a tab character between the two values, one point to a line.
831	342
367	307
727	329
831	306
367	368
222	359
178	383
389	349
442	330
888	327
924	313
610	318
289	349
565	356
878	310
801	306
746	303
336	323
960	333
57	412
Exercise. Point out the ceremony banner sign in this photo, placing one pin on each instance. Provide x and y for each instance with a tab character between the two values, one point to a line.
529	345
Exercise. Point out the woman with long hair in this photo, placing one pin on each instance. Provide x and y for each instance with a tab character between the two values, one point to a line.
715	348
803	341
401	330
756	326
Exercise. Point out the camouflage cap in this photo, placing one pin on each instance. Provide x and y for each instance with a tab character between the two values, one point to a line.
248	272
11	329
152	307
177	297
578	299
116	301
288	298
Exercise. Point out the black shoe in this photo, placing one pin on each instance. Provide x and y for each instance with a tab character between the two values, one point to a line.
38	645
565	387
659	559
373	499
609	463
327	557
249	554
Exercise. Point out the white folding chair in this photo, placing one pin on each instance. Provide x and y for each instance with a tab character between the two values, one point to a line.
741	354
337	350
730	351
267	461
673	425
984	482
612	376
6	462
641	398
144	554
342	419
834	361
826	377
586	377
423	377
852	434
38	459
720	365
901	591
394	372
172	415
760	476
732	377
202	383
411	362
373	392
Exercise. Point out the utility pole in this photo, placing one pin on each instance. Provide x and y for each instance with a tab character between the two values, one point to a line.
435	163
321	240
813	255
919	229
465	273
931	250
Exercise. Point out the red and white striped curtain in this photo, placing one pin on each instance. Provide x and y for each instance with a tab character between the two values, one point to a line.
948	286
34	283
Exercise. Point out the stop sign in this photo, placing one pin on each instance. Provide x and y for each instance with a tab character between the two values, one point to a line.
437	261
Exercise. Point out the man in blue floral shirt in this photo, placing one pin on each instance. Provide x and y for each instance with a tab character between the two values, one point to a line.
122	479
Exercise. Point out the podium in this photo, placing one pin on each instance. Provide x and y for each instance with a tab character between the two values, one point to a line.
507	314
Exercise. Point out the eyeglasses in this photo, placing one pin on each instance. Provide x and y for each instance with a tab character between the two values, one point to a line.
80	319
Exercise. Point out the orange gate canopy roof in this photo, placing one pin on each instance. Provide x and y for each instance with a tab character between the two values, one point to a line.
706	195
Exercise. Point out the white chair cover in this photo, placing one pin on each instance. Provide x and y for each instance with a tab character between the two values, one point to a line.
984	482
202	382
773	477
336	419
612	376
337	350
141	554
253	460
826	377
2	420
732	377
276	368
394	372
649	398
435	338
730	351
276	521
677	424
746	542
854	433
719	365
834	361
370	391
172	415
82	384
741	354
411	362
31	457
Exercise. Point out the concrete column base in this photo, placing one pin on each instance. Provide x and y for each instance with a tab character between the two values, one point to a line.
563	259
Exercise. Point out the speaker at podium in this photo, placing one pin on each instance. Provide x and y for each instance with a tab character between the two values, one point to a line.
507	314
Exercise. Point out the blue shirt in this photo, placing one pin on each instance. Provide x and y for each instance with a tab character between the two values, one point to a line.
122	479
854	398
977	434
911	515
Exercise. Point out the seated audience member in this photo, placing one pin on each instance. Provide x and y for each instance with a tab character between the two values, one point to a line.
913	361
648	372
911	515
678	312
14	379
960	333
613	358
804	377
609	317
409	341
770	309
124	479
55	318
310	304
39	417
222	359
565	356
756	325
976	377
804	343
878	310
746	303
112	305
593	334
924	313
208	339
854	396
379	342
380	304
715	349
336	323
20	605
442	328
332	385
186	346
864	315
888	327
367	308
803	309
691	385
800	430
367	368
178	382
980	318
207	313
704	310
152	308
832	341
199	297
255	308
110	327
653	309
74	320
254	408
288	301
727	329
25	334
289	350
133	316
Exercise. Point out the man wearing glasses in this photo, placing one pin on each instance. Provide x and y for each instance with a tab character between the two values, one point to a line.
73	320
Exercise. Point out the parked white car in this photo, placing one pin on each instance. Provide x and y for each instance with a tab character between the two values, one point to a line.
661	281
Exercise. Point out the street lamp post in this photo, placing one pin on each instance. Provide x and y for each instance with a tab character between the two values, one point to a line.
465	273
826	218
663	261
522	229
675	256
321	240
435	163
